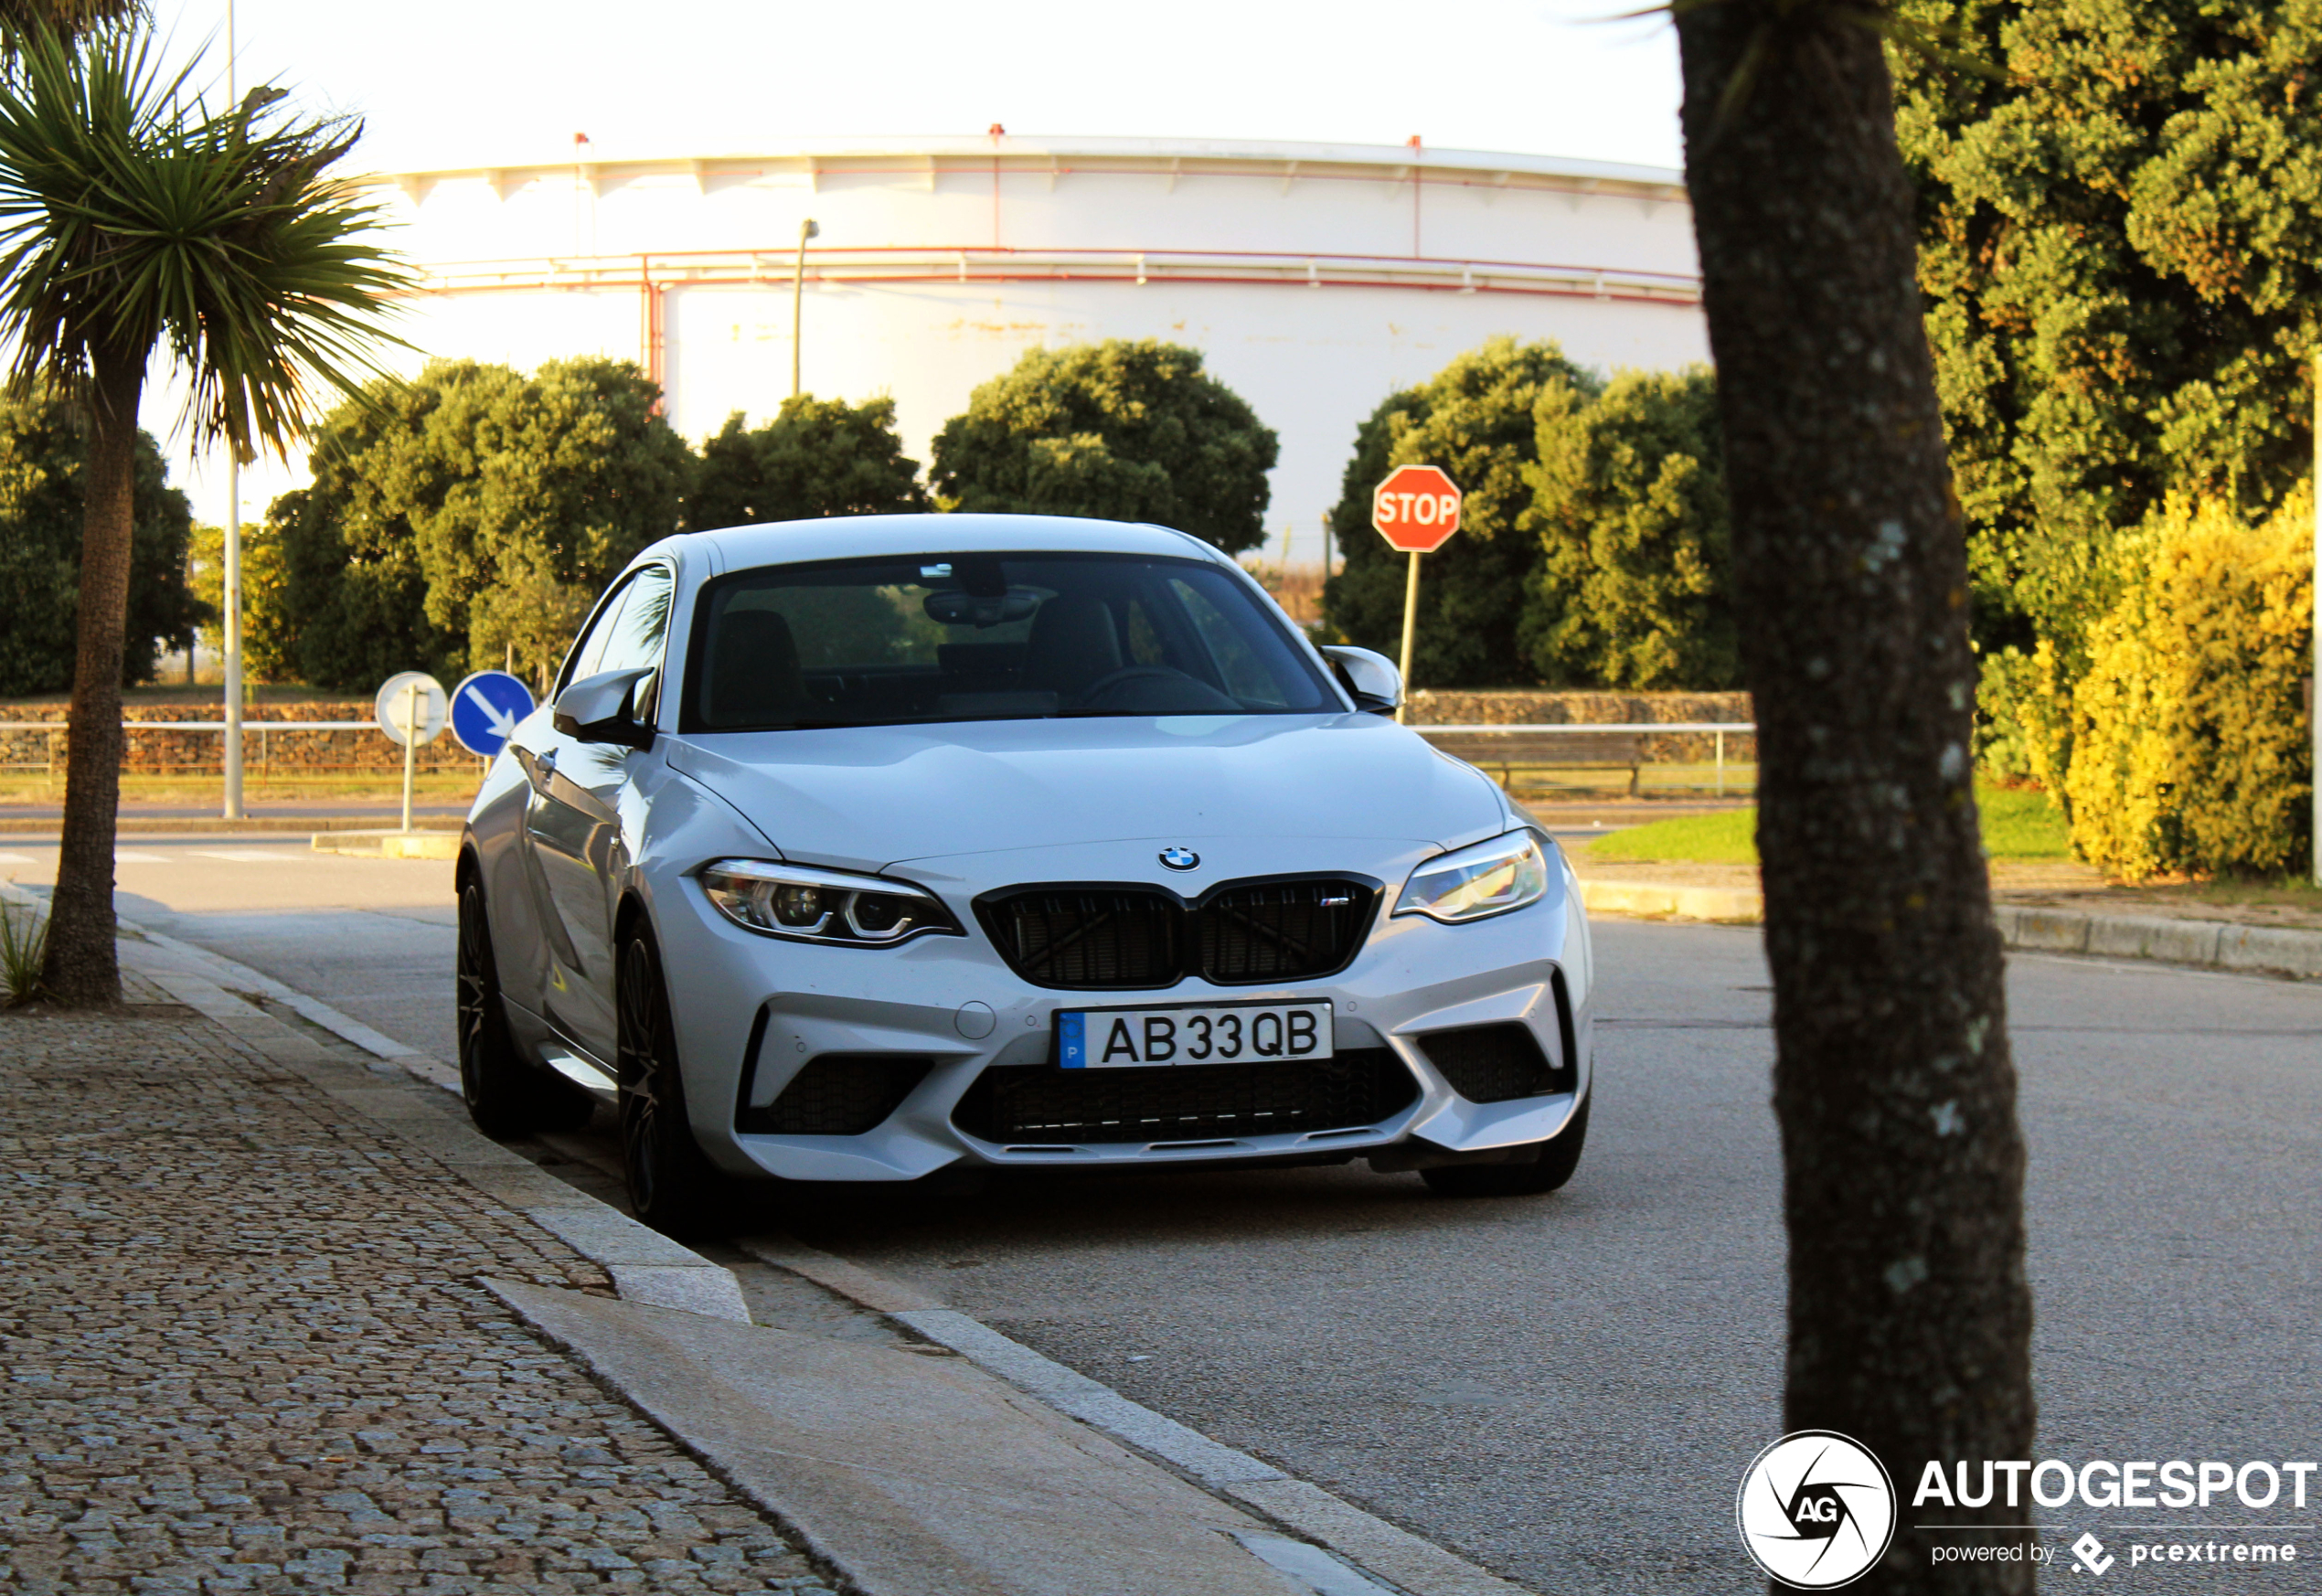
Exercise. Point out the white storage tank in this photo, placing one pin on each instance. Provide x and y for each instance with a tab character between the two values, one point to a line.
1315	278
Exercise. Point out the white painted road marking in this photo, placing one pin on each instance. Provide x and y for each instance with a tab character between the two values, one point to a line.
132	856
19	859
250	856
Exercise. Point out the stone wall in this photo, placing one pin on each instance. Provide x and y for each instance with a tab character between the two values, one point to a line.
273	745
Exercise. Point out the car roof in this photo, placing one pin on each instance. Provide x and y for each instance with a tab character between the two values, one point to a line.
871	536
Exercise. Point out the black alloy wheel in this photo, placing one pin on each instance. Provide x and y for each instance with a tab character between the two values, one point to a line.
672	1185
1544	1167
506	1096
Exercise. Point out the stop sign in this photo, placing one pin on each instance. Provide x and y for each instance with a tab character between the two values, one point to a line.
1416	508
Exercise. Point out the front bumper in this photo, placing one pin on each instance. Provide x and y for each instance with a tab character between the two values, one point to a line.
752	1011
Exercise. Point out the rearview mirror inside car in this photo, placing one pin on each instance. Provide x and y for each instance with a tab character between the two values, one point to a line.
1370	679
954	608
603	708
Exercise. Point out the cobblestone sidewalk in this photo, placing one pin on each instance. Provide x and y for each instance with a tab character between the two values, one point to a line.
241	1350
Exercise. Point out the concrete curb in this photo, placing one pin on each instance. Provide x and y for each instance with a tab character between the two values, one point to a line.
2253	950
920	1476
1333	1539
2250	950
389	844
1647	900
1395	1556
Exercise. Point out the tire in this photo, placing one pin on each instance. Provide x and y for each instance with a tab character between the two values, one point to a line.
673	1187
507	1096
1544	1167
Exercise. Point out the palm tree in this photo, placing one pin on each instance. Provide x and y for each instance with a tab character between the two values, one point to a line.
134	218
70	18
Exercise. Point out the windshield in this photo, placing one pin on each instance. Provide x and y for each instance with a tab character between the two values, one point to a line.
988	637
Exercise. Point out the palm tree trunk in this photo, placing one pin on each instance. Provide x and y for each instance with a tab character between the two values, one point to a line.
1903	1165
82	969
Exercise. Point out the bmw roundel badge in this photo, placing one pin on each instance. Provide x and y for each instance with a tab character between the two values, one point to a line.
1181	859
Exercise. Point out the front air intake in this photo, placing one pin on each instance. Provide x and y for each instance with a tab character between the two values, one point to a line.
1129	937
1018	1103
838	1094
1088	938
1494	1063
1280	931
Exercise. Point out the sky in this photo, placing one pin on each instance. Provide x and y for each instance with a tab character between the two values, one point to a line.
483	83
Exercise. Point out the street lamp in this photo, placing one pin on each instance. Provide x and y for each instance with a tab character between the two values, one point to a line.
230	622
808	229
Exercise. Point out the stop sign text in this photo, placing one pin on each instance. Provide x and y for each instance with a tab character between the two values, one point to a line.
1416	510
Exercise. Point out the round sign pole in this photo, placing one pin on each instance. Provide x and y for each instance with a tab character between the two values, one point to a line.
1411	625
1416	510
411	724
410	708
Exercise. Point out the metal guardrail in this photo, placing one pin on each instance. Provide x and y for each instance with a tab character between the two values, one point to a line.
1720	729
201	725
1739	728
1717	729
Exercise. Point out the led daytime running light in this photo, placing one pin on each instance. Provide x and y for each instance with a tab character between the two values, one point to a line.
821	906
1474	883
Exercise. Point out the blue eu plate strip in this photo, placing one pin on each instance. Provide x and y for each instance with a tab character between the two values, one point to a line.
1071	1041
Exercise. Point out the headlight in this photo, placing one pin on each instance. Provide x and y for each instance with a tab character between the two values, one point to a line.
821	906
1488	878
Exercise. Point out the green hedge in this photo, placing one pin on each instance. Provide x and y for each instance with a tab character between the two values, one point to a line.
2190	747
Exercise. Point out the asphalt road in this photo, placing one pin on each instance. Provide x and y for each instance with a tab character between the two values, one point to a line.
1565	1389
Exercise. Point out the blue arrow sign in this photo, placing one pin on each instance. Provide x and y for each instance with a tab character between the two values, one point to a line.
485	708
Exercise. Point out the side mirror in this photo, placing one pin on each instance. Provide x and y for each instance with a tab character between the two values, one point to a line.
1370	679
602	708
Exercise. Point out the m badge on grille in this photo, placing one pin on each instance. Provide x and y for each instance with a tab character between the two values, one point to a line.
1181	859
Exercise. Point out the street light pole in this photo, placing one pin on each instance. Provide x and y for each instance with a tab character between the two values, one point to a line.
230	622
806	230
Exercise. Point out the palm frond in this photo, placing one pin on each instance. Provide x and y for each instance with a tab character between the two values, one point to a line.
134	217
19	19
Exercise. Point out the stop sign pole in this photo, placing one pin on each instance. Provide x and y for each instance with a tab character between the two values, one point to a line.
1416	510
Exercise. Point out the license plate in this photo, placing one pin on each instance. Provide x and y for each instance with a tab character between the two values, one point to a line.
1241	1033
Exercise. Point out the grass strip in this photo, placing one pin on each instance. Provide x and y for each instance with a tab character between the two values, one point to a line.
2017	826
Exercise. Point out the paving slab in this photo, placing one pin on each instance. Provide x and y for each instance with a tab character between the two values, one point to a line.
246	1351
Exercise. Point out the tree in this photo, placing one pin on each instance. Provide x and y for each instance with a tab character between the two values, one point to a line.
1129	431
472	516
817	457
264	655
1474	418
44	455
2121	246
1628	502
135	218
1903	1163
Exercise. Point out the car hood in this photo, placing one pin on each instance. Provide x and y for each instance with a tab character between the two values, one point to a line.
867	797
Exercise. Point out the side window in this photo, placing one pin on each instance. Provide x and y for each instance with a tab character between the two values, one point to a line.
635	635
582	662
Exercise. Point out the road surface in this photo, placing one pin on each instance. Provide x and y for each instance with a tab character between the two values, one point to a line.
1565	1389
